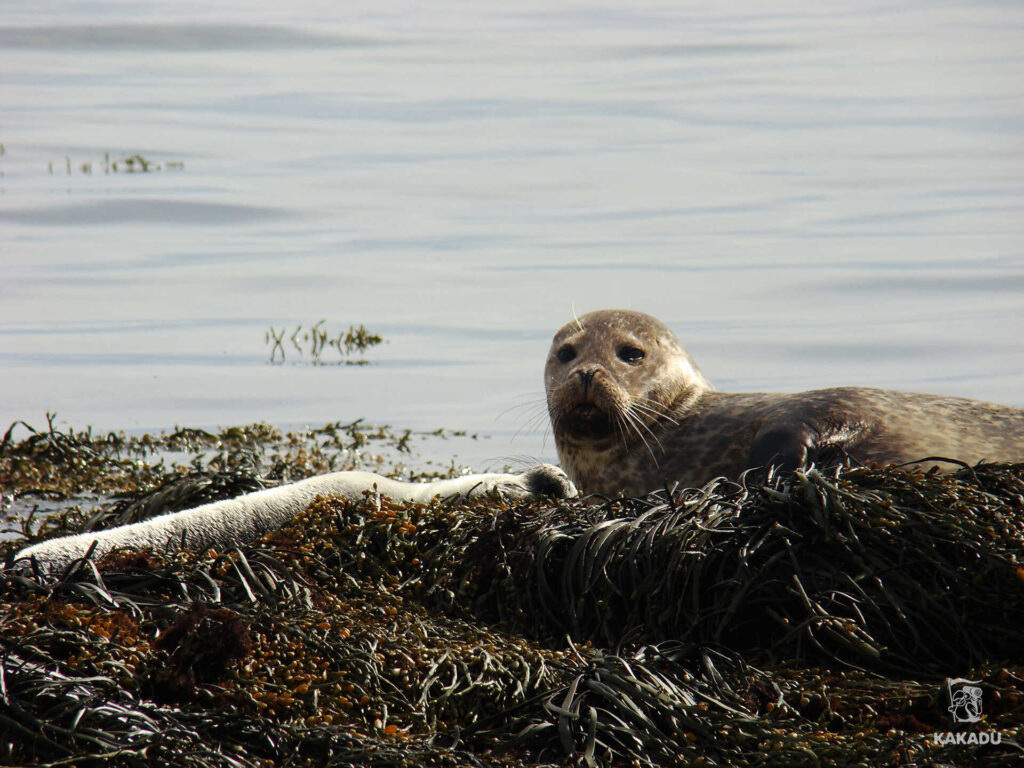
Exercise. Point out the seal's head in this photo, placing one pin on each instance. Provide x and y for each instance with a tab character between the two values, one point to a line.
614	378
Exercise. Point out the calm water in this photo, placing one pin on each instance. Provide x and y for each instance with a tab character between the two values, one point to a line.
809	194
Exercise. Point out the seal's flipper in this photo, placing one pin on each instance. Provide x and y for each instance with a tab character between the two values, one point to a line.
548	480
783	445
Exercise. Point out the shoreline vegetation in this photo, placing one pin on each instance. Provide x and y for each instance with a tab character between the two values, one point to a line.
806	621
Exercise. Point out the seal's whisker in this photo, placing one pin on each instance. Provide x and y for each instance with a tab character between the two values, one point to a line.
640	422
537	422
534	402
637	413
657	414
634	421
535	410
619	423
522	461
544	438
531	395
654	408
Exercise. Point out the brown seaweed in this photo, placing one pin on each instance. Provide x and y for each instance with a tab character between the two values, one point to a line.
779	621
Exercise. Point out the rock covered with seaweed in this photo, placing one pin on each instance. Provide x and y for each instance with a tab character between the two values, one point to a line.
777	622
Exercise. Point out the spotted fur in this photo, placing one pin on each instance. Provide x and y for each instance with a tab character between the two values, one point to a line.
630	426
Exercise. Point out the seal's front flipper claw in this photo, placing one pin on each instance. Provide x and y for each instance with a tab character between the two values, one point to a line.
548	480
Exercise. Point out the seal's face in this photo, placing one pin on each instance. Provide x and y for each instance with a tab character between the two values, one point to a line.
612	375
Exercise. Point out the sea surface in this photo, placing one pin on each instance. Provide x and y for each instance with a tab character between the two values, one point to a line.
810	194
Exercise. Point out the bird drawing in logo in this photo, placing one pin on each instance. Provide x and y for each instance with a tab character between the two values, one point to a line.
965	700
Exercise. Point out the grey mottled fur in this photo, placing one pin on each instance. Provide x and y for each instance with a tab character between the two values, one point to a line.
656	420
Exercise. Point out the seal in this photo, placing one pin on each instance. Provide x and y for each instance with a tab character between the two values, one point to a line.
632	413
244	519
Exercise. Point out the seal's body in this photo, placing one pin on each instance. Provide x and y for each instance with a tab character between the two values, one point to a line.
244	519
632	413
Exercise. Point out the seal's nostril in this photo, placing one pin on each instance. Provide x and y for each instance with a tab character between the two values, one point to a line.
586	377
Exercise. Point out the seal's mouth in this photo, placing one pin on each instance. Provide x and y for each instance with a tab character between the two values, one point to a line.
587	420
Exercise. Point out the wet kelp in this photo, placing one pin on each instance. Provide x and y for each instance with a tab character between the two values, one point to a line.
802	621
883	569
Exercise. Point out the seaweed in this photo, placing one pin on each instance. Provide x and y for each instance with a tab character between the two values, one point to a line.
345	343
884	569
774	621
57	482
124	163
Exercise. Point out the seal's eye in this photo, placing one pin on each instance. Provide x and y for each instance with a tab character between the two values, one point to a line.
631	355
566	353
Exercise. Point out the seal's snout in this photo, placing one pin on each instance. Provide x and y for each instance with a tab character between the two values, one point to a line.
586	379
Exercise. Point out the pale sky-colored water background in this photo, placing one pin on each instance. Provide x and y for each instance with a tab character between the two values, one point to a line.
810	194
